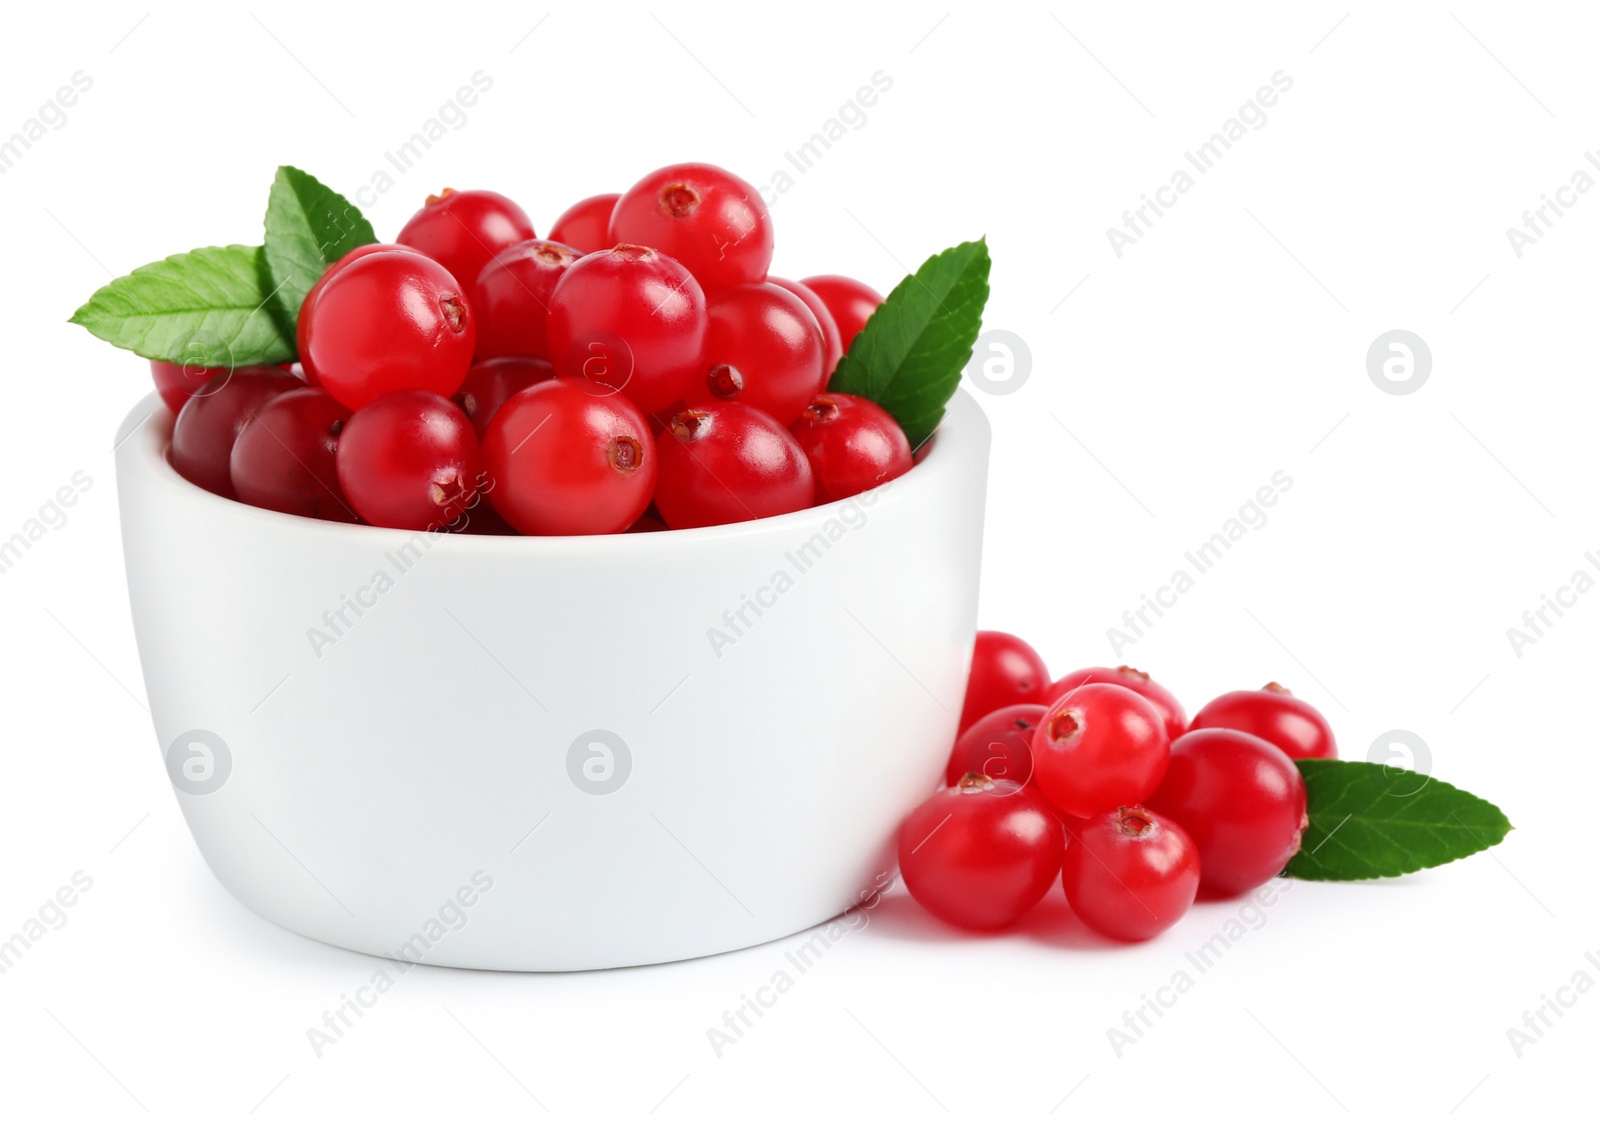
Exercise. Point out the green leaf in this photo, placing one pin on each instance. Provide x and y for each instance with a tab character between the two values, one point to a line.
1373	820
206	308
309	227
908	357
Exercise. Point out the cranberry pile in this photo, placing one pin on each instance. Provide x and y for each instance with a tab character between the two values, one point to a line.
635	370
1098	778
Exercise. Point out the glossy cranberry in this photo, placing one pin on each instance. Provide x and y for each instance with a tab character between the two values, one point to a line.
999	745
1005	671
1098	747
630	318
489	383
706	218
851	302
386	322
1172	714
208	424
512	297
409	459
1241	800
586	224
284	458
764	349
177	382
1277	716
1130	873
980	853
728	463
832	347
569	458
302	321
853	445
462	231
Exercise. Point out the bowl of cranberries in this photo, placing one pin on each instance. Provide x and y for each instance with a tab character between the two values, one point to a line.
554	571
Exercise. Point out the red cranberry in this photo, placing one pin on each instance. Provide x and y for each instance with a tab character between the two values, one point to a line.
851	302
1130	873
568	458
284	458
1129	678
205	430
833	348
1242	801
703	216
980	853
999	745
177	382
586	224
630	318
490	383
1098	747
728	463
409	459
512	297
462	231
1277	716
853	445
764	348
1005	670
388	321
302	321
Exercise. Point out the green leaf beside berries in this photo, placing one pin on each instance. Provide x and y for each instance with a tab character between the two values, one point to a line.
207	307
909	356
1371	820
226	307
309	227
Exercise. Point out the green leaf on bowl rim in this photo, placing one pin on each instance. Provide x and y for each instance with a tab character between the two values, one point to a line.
309	227
207	307
1371	820
909	356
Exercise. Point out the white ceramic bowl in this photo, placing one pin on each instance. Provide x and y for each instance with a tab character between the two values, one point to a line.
553	753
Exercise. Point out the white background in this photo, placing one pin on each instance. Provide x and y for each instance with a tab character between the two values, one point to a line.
1227	344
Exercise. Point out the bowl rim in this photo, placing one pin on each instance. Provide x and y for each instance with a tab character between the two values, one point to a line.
147	432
